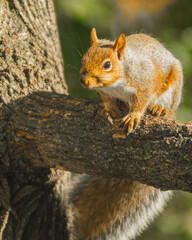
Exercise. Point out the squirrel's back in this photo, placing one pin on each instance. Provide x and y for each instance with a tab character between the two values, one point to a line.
142	46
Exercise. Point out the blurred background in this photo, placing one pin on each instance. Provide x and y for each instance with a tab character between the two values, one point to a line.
170	21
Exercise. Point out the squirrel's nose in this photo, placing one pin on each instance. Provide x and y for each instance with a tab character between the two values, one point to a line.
82	77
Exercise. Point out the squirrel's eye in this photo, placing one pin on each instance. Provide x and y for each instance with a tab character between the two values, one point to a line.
107	65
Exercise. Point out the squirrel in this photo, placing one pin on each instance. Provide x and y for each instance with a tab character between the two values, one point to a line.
141	72
137	70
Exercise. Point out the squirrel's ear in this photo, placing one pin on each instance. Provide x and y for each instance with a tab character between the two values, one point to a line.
94	38
119	45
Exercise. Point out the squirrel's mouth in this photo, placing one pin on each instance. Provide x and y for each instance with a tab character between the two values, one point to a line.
91	82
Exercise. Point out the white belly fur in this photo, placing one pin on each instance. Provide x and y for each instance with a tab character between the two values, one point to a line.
120	90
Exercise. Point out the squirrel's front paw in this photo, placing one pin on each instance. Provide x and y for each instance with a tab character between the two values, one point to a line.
130	122
110	112
107	114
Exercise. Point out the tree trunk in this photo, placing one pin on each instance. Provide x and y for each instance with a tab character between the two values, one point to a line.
44	131
30	61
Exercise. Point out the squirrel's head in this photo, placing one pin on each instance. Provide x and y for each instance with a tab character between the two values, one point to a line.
101	64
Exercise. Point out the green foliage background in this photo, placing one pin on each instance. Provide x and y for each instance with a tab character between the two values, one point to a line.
173	27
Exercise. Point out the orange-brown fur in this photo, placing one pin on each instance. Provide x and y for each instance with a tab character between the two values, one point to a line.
92	80
164	80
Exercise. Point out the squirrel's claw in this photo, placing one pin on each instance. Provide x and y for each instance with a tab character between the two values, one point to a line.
130	122
107	115
109	111
156	111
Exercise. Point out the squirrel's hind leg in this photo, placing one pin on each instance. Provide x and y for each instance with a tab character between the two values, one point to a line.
156	110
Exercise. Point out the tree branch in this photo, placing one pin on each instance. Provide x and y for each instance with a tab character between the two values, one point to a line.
51	130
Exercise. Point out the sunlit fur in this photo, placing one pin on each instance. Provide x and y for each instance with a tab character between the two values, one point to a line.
145	65
93	63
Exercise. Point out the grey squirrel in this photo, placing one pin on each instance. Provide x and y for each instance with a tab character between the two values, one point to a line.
137	70
141	72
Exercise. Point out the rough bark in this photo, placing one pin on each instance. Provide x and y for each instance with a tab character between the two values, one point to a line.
48	130
51	130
